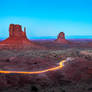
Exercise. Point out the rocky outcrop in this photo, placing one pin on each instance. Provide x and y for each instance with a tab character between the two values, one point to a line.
15	31
61	38
17	38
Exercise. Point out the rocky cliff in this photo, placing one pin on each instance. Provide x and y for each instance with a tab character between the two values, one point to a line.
17	38
61	38
15	31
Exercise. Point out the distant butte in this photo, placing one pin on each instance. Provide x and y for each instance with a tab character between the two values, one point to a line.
17	38
61	38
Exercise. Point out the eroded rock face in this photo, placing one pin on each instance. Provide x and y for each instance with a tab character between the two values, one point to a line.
17	38
15	31
61	38
61	35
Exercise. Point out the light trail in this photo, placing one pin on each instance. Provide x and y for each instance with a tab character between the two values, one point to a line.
61	64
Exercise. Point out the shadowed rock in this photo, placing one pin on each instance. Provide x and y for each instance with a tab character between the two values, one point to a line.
61	38
16	35
17	38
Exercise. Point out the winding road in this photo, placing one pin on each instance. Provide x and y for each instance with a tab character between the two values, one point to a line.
61	64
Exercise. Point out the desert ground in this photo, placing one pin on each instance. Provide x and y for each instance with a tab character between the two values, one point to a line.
74	76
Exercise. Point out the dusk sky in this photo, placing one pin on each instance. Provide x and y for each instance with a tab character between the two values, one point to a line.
47	17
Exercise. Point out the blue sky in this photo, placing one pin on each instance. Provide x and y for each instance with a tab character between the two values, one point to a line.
47	17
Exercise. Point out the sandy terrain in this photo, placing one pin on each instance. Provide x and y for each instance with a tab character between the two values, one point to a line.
75	76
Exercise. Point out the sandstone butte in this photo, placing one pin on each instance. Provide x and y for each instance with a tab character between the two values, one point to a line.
17	38
61	38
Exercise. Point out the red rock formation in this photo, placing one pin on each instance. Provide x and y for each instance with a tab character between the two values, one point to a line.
17	37
61	38
15	31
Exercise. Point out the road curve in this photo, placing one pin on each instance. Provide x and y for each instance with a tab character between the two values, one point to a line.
61	64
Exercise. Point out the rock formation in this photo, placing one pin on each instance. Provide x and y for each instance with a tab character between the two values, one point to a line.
17	37
61	38
15	31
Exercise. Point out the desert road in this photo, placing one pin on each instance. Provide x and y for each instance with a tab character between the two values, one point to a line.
61	64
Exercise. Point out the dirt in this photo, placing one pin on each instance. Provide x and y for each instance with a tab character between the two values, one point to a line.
75	76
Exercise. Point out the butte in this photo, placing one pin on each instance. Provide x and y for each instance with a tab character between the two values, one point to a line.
61	38
17	38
